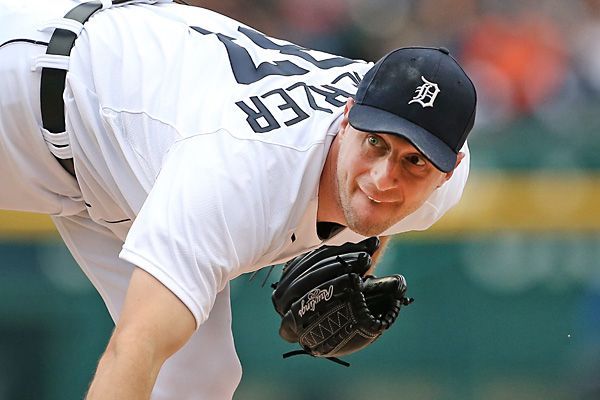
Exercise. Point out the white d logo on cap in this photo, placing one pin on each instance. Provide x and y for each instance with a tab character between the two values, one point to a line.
426	93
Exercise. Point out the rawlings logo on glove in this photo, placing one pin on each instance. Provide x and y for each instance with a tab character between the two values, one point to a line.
330	307
315	296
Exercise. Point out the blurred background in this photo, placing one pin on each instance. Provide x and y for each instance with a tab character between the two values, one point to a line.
507	285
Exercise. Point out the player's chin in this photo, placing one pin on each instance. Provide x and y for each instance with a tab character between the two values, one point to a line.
368	228
370	221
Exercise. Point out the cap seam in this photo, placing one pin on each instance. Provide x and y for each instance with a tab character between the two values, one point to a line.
437	67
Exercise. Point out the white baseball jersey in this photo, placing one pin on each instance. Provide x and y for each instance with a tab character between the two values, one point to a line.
198	144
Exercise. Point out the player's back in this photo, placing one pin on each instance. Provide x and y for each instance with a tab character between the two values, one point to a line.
145	76
200	71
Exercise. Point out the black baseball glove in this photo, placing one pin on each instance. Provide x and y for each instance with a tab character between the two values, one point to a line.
329	306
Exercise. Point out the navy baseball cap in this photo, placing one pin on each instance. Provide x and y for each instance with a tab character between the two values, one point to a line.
421	94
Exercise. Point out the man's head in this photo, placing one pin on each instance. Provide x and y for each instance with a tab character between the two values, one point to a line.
400	139
422	95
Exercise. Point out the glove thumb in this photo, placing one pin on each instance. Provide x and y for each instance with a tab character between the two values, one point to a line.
393	286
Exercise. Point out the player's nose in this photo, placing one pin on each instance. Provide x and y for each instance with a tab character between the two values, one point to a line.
385	175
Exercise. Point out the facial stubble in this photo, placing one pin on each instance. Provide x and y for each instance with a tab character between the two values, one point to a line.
344	199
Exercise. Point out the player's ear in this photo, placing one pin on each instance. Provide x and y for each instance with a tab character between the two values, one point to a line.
349	104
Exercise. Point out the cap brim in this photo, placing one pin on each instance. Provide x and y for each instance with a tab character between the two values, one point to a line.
371	119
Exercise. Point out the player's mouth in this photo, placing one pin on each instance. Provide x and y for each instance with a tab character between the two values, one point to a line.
373	200
375	197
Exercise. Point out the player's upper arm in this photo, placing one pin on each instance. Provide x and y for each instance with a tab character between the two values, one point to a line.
152	314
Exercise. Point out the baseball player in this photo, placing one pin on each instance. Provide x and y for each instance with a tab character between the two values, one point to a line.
175	149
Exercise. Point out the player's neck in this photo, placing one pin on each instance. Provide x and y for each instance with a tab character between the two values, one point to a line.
328	209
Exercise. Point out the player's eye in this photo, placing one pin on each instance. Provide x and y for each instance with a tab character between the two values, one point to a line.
375	141
416	159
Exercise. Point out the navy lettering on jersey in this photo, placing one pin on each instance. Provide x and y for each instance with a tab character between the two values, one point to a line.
262	113
254	117
246	72
353	76
331	94
242	66
294	50
289	104
262	120
309	96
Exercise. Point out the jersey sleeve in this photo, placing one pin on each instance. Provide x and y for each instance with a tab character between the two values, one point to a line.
202	222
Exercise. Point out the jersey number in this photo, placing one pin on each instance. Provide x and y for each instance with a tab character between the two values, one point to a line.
246	72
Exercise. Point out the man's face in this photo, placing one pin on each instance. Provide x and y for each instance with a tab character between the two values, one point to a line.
381	179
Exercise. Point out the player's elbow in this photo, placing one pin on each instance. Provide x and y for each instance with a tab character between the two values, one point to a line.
127	346
135	346
154	323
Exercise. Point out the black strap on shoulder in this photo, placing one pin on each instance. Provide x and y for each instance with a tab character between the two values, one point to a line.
52	84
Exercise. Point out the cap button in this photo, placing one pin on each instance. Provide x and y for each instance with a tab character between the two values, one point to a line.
444	50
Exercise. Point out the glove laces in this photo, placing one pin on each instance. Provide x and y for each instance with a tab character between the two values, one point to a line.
271	267
304	352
